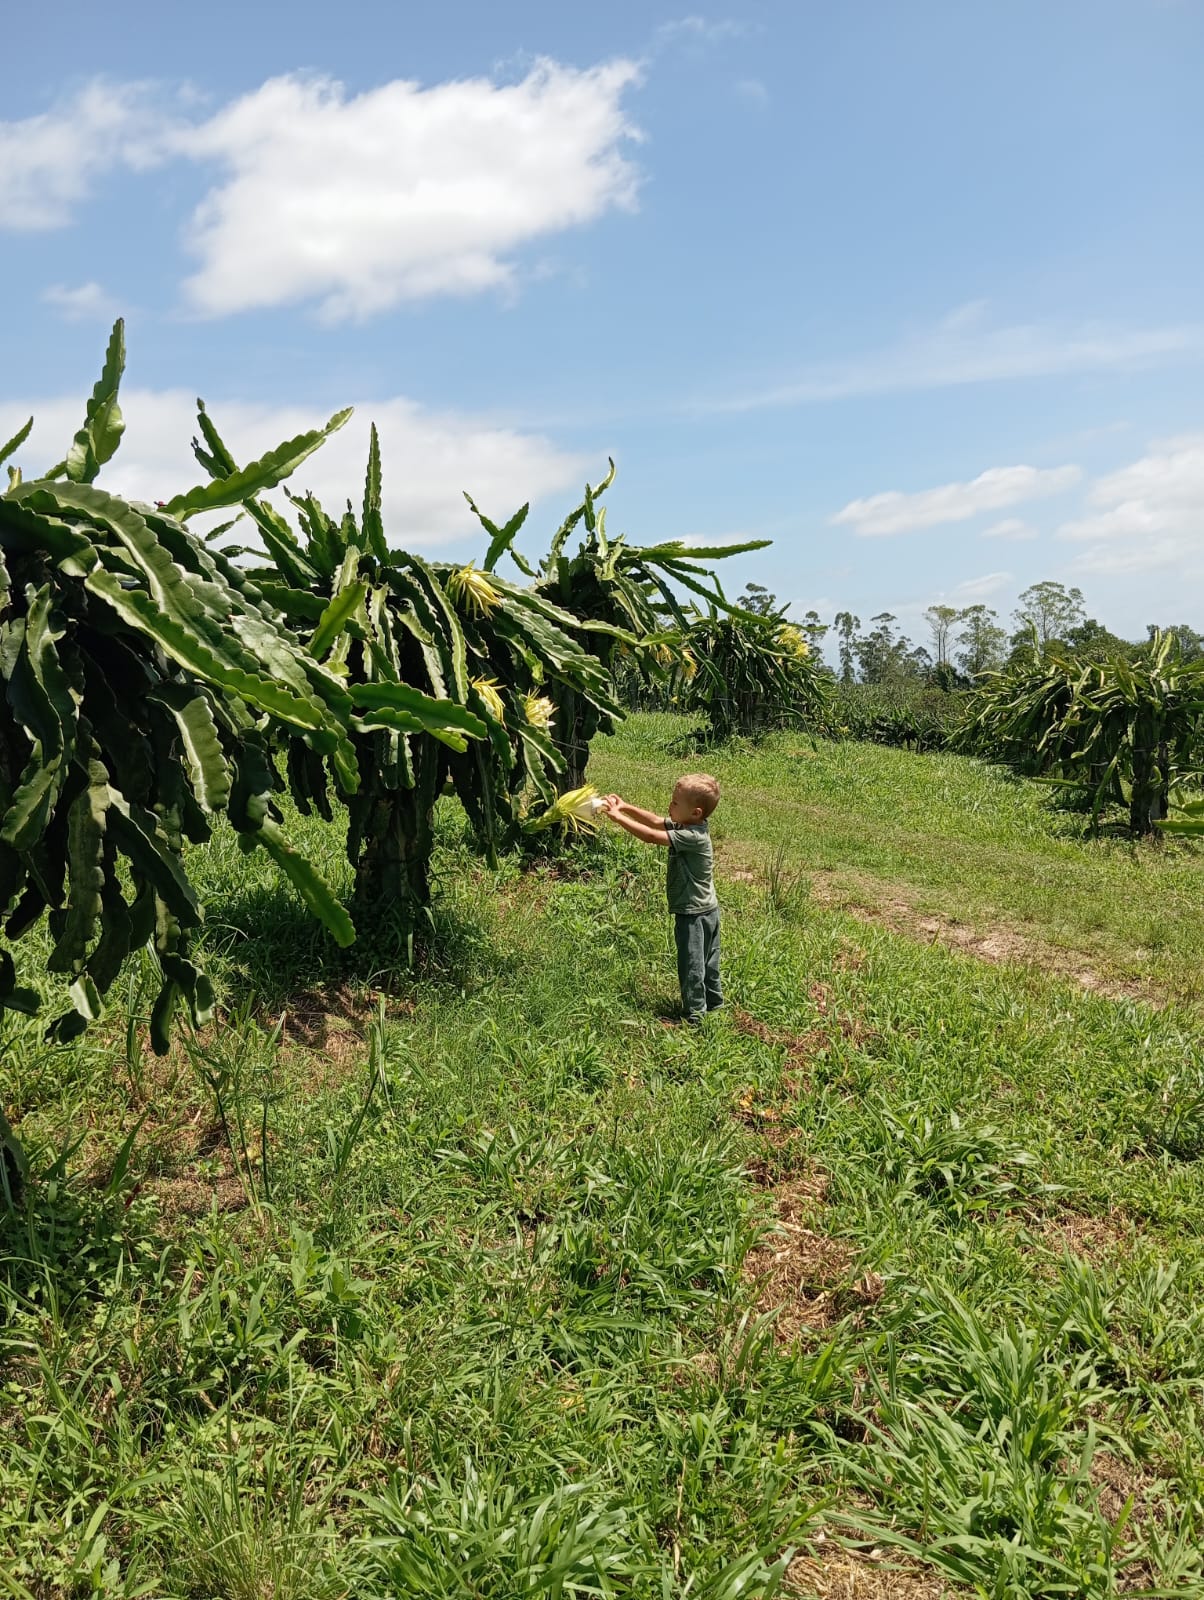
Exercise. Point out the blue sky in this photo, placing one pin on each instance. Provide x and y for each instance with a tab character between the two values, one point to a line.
912	289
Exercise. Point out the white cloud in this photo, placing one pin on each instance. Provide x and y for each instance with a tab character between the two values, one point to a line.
964	349
357	202
428	457
719	536
973	590
700	30
913	614
77	305
401	192
897	512
1148	515
1133	560
1012	528
753	91
48	163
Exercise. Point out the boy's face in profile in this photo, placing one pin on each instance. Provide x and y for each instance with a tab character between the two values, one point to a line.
683	808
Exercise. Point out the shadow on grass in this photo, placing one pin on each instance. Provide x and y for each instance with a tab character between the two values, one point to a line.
269	950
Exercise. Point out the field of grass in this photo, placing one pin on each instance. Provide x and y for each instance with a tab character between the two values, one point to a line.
889	831
479	1281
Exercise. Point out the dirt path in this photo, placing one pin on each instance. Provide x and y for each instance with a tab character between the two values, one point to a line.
897	906
1001	943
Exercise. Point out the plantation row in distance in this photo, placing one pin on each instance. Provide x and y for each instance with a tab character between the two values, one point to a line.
1117	724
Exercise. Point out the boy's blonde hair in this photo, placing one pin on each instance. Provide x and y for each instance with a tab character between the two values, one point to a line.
701	790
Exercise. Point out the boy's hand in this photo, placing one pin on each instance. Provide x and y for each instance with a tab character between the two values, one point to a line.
613	803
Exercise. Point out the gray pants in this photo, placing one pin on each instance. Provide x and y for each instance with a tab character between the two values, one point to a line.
697	940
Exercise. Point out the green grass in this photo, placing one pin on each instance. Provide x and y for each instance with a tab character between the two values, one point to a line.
442	1283
953	836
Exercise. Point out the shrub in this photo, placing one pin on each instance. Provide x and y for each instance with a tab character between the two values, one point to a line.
913	716
1126	730
748	674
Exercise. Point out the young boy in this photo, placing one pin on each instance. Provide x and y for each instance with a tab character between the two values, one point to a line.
690	884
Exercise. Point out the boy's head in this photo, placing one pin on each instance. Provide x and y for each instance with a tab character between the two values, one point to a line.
695	796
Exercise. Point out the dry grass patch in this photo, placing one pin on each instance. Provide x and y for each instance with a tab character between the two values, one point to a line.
800	1274
1119	1481
837	1574
765	1115
770	1175
1095	1239
800	1048
191	1196
768	1114
849	957
332	1020
761	1030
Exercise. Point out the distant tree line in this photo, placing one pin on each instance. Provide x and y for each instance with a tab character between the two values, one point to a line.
964	642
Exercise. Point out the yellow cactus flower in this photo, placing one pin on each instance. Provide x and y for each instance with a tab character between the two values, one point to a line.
487	688
472	591
539	711
689	665
792	643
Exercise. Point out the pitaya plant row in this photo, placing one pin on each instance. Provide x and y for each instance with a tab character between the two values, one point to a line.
155	678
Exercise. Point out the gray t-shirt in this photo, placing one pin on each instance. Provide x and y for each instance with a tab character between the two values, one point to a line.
690	881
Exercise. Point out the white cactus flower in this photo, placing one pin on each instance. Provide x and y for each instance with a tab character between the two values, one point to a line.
579	811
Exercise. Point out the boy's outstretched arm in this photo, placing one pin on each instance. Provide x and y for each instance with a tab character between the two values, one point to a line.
654	819
638	829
